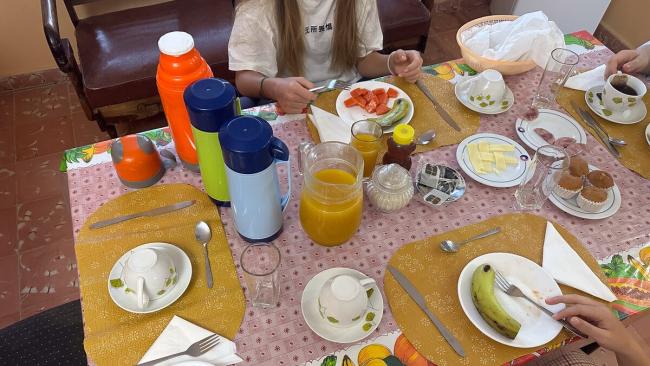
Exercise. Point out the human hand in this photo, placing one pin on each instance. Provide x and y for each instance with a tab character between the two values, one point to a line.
292	94
629	61
406	64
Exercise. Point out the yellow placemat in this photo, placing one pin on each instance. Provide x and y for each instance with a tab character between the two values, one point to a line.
435	274
425	116
116	337
636	155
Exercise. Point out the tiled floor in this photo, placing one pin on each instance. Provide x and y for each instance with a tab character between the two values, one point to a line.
40	117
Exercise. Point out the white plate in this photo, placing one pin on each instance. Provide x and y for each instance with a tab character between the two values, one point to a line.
462	94
309	306
647	134
636	114
557	123
509	178
128	301
537	328
357	113
570	206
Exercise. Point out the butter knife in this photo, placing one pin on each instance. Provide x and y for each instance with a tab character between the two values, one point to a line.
415	295
589	120
148	213
441	111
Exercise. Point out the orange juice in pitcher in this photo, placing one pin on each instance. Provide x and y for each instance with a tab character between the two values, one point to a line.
332	197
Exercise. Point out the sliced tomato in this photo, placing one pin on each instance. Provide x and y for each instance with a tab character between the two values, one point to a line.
383	98
392	93
379	91
359	92
361	101
371	106
382	109
350	102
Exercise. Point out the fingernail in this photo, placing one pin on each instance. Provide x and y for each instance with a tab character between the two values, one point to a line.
575	320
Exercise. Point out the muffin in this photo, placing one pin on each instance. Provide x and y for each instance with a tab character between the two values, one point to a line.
600	179
578	167
592	199
568	186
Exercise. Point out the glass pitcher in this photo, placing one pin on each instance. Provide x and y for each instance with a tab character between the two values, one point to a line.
332	197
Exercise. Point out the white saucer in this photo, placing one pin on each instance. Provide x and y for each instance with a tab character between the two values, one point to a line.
536	328
557	123
309	305
571	207
509	178
633	115
128	301
492	107
647	134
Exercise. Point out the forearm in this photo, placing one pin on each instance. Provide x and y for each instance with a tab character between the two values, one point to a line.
645	49
633	355
248	83
373	65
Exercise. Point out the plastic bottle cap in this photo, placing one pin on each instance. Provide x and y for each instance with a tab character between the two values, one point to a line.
175	43
403	134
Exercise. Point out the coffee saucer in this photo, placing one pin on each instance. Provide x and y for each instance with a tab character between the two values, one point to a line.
491	106
320	326
125	298
630	116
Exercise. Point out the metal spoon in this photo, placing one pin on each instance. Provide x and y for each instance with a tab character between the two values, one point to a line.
203	234
426	137
615	141
451	247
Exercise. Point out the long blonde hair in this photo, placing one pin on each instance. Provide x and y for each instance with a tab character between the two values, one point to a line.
291	47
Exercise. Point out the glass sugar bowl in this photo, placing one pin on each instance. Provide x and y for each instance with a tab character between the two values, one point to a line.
390	188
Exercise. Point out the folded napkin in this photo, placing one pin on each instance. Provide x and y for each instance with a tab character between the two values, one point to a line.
588	79
566	267
330	127
179	335
531	36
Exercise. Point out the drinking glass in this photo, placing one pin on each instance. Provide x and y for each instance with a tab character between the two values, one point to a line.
541	177
558	69
366	137
260	264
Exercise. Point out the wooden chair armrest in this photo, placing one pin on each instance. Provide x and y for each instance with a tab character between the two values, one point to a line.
52	35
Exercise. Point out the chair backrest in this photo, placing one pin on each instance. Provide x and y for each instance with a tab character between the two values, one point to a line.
106	7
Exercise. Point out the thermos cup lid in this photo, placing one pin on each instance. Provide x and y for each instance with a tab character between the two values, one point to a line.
175	43
210	103
248	145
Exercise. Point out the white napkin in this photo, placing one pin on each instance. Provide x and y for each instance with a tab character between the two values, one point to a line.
531	36
179	335
588	79
330	127
566	267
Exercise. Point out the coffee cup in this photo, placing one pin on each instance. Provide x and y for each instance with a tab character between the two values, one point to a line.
343	300
150	274
622	94
487	89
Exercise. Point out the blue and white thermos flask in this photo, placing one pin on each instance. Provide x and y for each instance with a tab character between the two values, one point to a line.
251	152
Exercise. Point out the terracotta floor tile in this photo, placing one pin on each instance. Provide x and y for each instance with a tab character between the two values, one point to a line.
39	178
467	13
6	110
73	99
8	320
36	79
8	231
44	222
48	277
43	103
7	185
43	137
86	132
441	21
9	286
446	41
7	146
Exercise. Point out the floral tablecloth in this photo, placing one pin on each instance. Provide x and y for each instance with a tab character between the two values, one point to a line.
279	336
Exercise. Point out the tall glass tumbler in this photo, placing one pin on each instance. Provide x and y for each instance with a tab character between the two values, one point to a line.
541	177
366	137
558	68
260	263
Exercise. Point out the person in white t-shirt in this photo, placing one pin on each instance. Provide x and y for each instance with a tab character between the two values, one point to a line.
280	49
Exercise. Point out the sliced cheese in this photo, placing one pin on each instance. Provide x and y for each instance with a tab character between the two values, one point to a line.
486	156
499	161
475	157
484	147
511	160
501	147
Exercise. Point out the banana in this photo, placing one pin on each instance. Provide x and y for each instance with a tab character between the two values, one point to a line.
488	306
347	361
400	109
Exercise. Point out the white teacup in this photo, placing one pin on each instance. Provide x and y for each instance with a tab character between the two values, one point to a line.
487	89
150	273
617	101
343	300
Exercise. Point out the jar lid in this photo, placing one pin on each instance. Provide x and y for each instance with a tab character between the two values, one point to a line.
403	134
175	43
392	177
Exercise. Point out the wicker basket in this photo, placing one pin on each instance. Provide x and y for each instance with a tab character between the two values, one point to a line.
480	63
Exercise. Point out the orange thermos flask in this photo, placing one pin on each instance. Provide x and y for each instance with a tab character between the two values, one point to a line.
180	65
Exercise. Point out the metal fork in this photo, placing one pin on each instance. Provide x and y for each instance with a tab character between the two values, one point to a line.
331	85
195	350
512	290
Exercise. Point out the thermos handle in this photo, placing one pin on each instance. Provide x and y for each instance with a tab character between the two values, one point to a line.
280	152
